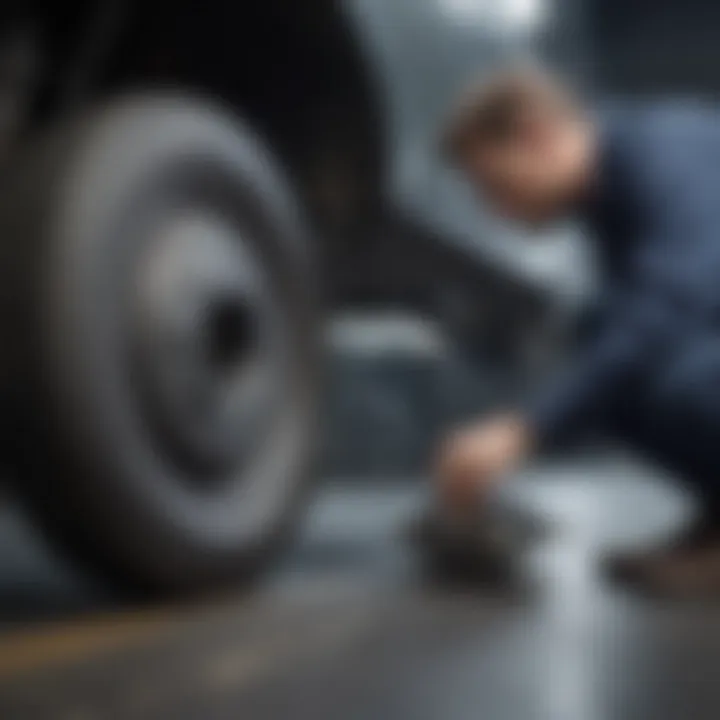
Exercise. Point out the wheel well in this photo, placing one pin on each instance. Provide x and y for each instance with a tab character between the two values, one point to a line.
294	70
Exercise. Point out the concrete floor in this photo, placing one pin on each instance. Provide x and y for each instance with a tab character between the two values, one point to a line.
346	629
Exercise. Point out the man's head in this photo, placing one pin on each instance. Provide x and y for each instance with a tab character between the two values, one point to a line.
524	141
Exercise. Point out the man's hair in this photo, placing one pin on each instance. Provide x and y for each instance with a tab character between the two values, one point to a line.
492	111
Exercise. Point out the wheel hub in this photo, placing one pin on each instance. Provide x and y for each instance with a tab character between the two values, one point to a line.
203	329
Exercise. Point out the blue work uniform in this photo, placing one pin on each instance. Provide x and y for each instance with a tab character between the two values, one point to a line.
650	372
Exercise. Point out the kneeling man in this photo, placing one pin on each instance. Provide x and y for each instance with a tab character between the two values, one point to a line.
646	182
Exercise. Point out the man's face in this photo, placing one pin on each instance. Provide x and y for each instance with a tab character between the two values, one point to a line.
528	178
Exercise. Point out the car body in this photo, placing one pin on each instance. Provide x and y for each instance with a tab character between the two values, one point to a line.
335	107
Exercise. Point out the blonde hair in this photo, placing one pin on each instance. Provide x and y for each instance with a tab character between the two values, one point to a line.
492	110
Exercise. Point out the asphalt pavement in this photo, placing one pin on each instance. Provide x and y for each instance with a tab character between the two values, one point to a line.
347	628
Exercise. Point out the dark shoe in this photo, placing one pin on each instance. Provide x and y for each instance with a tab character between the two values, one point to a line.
668	559
693	575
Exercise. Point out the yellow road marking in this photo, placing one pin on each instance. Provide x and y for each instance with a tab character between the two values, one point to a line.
44	648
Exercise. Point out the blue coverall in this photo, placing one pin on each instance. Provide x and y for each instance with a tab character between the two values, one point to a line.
650	372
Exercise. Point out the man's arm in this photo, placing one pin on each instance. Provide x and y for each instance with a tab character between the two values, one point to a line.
637	328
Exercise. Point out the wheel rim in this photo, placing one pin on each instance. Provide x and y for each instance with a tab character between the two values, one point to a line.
206	335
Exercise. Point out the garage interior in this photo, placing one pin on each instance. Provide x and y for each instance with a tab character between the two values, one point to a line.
347	626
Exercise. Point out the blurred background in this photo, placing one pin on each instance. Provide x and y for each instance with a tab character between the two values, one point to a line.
236	266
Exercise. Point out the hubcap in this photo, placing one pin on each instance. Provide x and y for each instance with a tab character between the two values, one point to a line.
205	340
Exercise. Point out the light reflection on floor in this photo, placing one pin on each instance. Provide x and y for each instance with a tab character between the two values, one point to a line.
347	629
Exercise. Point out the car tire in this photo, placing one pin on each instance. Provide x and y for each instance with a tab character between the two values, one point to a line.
161	353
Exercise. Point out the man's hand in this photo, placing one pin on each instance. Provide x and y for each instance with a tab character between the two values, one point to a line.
476	458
